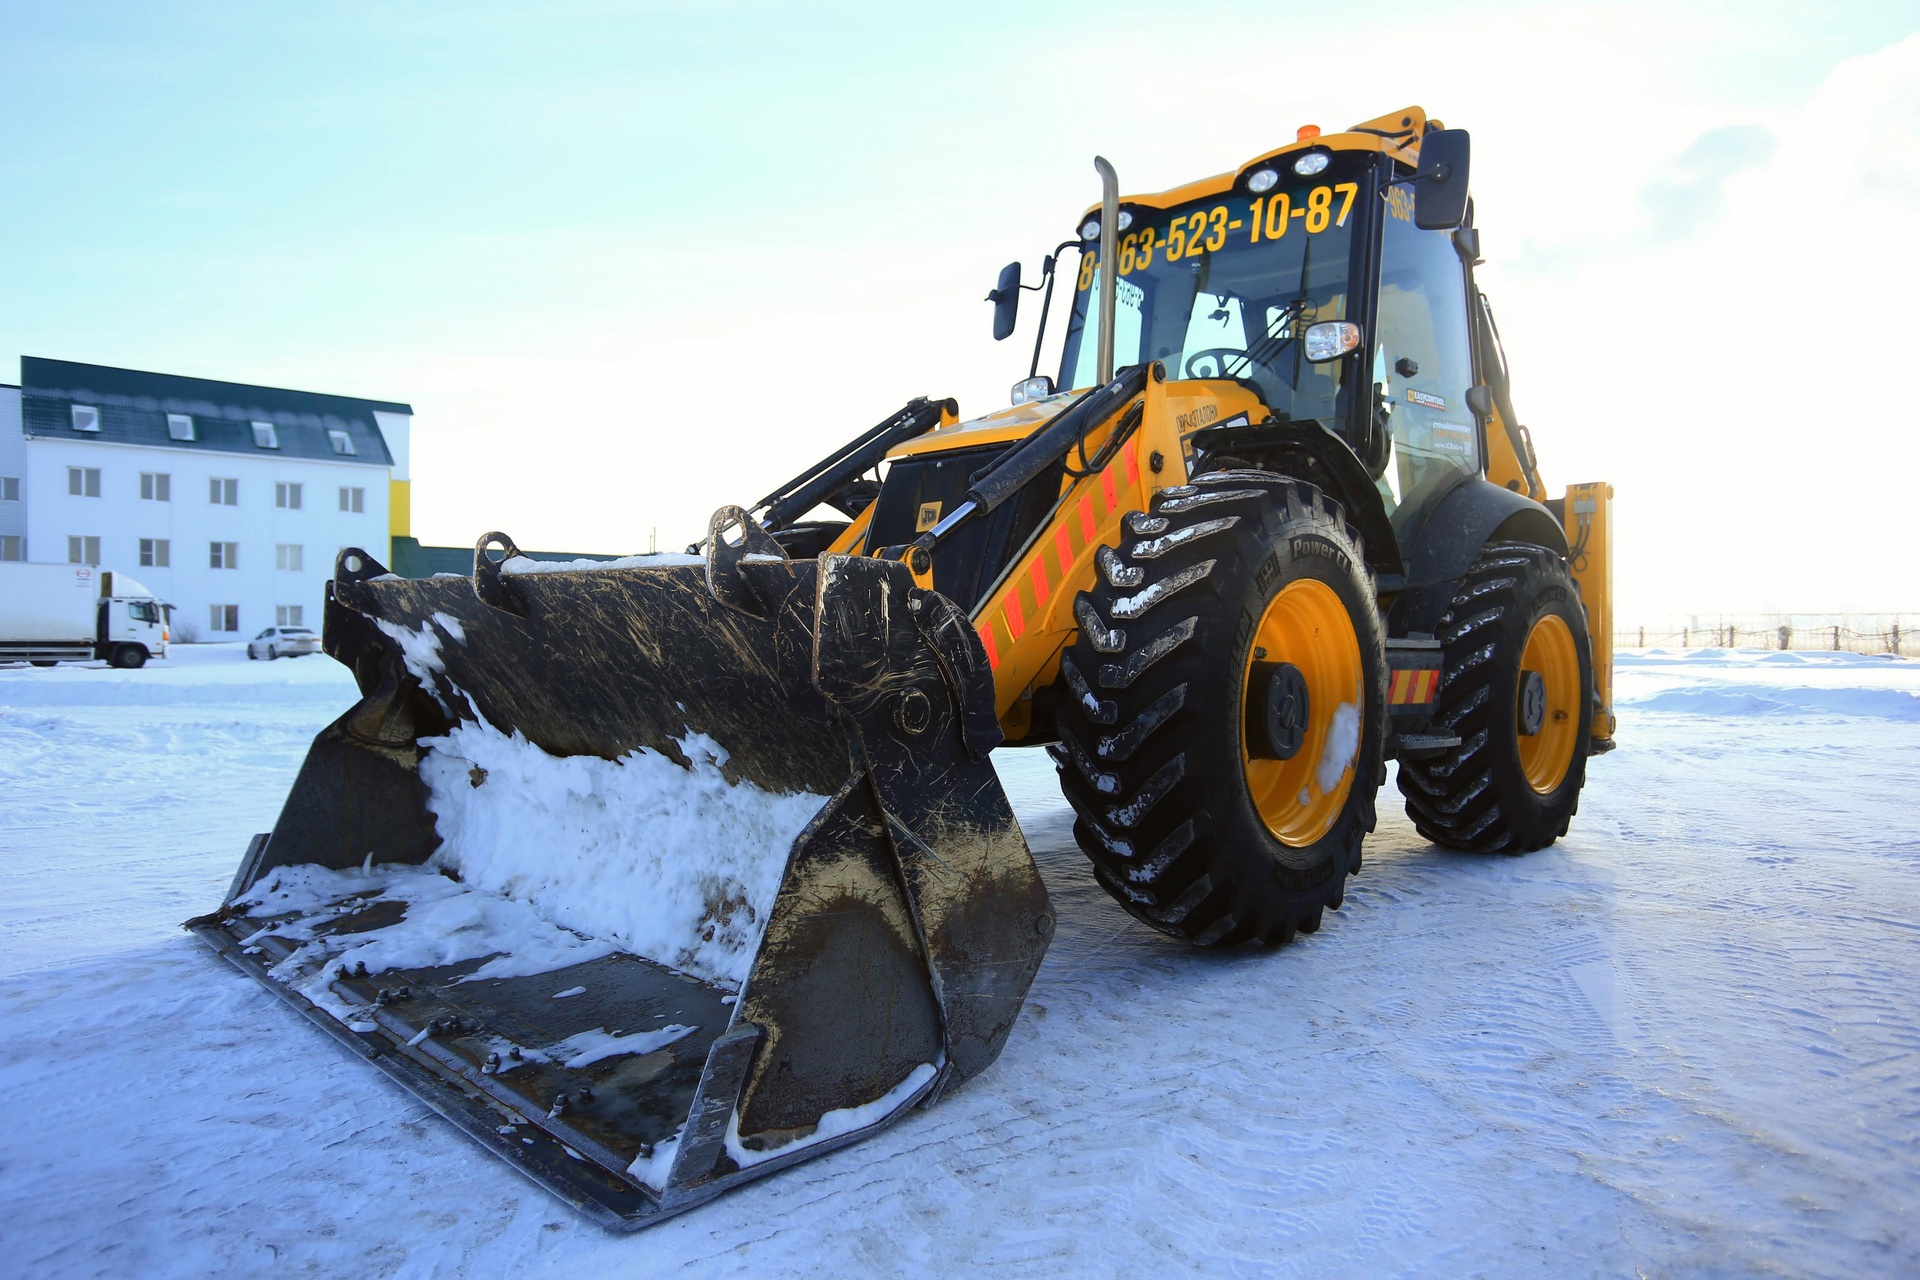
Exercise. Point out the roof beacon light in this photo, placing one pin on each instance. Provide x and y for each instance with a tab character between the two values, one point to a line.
1262	180
1307	131
1311	163
1090	229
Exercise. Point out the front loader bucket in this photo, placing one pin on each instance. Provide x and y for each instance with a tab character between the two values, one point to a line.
652	879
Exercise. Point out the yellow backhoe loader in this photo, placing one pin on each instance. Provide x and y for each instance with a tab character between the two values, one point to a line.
664	875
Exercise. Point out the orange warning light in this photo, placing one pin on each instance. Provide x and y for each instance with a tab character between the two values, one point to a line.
1307	131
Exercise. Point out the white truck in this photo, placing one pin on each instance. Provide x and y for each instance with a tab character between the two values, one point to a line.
72	613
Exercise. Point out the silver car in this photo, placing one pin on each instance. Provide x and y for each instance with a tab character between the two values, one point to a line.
283	642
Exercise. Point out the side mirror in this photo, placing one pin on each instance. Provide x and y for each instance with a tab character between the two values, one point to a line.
1440	184
1006	301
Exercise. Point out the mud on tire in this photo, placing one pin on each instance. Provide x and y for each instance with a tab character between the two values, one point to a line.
1150	755
1475	797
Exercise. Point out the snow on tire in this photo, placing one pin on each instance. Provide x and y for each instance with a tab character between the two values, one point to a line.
1153	750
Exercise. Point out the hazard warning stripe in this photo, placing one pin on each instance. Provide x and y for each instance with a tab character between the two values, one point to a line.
1016	621
1107	490
1411	687
1041	588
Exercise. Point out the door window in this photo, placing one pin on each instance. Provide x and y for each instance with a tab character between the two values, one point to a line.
1423	365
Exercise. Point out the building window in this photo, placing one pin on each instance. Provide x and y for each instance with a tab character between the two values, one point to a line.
156	553
223	617
11	547
223	555
223	493
9	488
289	556
156	486
342	443
180	426
289	615
86	418
286	495
83	482
82	550
264	436
353	499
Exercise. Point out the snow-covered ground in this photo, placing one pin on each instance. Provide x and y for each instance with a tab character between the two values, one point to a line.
1685	1040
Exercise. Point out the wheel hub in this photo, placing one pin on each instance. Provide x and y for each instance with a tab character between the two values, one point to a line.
1533	702
1278	709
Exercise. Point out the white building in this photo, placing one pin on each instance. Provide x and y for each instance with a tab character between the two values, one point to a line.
229	501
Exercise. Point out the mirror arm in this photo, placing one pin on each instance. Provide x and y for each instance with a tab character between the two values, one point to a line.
1047	269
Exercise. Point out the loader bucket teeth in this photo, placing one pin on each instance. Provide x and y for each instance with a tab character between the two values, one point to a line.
886	964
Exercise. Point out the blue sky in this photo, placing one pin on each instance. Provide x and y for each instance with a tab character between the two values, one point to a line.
629	262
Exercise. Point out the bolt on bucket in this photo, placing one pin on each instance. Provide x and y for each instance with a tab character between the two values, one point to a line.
653	879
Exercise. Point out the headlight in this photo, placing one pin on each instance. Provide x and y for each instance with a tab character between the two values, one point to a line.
1125	219
1261	181
1090	229
1331	339
1311	163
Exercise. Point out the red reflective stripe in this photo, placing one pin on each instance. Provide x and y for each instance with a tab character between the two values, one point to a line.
1041	589
986	638
1062	545
1133	467
1106	489
1016	624
1089	531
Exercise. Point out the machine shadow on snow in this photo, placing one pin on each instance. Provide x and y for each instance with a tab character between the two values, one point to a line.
664	875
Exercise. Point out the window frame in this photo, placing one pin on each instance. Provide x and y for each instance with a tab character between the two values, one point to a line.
289	557
289	495
156	486
180	427
223	555
83	548
9	488
218	486
87	414
156	553
342	442
87	480
353	499
265	435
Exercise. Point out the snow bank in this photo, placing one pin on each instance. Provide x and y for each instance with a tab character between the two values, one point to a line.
671	862
1778	700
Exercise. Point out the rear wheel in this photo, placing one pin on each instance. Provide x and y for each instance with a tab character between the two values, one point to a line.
43	662
1221	735
1517	690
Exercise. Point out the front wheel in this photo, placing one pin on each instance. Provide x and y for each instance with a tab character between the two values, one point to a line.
1517	690
1221	741
129	657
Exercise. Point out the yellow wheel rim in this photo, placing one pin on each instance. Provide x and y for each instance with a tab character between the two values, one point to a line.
1546	756
1307	625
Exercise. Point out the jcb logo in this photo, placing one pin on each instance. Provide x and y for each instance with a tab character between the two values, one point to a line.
929	516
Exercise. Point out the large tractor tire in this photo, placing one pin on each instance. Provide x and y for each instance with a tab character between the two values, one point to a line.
1221	738
1517	689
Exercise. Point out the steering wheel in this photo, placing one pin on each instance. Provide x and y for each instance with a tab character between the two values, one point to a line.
1217	357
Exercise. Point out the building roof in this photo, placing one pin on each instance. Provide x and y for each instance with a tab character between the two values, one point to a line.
134	406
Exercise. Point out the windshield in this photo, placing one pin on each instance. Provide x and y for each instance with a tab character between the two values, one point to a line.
1220	288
